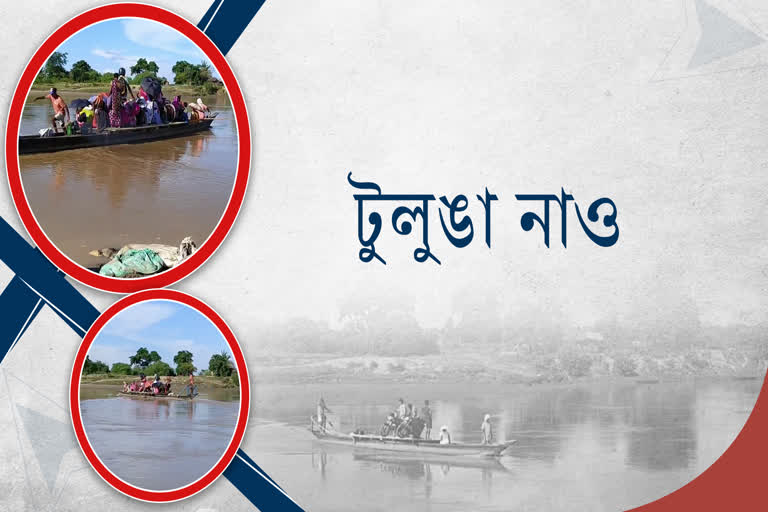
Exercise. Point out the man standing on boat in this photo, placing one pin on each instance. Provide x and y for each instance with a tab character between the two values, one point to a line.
487	430
322	417
191	388
426	415
60	109
402	409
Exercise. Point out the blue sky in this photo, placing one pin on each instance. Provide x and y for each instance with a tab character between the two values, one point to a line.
164	326
112	44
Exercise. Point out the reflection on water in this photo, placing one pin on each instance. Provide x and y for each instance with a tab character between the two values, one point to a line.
159	444
156	192
586	447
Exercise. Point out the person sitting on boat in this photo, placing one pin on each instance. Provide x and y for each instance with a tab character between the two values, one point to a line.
178	106
83	123
143	383
142	93
199	109
126	387
157	385
100	116
60	109
128	114
167	385
402	409
88	112
390	425
487	430
445	436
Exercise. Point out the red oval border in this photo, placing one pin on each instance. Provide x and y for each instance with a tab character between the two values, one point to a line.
74	270
74	398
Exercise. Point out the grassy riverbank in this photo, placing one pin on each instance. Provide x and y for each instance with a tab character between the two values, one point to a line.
71	91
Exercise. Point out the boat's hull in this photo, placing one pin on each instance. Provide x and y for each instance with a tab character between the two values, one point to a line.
29	144
414	446
152	396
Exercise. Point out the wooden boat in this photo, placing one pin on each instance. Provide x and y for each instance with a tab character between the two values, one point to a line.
427	447
29	144
152	396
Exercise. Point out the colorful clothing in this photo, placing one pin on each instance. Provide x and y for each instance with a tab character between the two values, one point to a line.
115	111
122	87
128	115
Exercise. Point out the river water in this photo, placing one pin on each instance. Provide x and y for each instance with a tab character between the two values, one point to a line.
158	444
156	192
590	447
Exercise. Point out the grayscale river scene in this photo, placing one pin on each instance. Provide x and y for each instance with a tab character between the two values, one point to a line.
601	446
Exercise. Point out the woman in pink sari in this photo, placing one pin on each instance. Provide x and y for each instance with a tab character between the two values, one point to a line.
115	113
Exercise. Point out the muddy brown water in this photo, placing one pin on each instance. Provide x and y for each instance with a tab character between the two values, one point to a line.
155	192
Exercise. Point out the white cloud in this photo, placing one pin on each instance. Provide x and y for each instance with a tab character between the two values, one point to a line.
156	35
107	54
119	59
138	317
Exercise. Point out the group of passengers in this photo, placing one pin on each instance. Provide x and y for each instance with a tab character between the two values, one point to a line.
144	385
407	414
406	421
157	386
115	110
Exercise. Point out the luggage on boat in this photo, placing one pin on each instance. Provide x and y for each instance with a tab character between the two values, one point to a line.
152	87
133	262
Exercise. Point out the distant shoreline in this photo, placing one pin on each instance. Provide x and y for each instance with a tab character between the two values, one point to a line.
477	368
105	379
70	91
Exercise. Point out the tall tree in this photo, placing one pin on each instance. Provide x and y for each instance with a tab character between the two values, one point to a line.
183	360
81	71
54	66
184	72
141	358
142	66
220	365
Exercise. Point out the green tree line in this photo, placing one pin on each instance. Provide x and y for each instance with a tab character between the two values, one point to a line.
151	363
186	73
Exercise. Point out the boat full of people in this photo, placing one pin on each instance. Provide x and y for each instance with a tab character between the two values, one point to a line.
405	430
157	388
108	119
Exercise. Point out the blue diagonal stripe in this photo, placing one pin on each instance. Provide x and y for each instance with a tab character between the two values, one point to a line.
257	486
45	280
37	281
225	20
19	305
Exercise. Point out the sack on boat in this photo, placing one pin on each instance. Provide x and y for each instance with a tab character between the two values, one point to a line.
132	262
46	132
